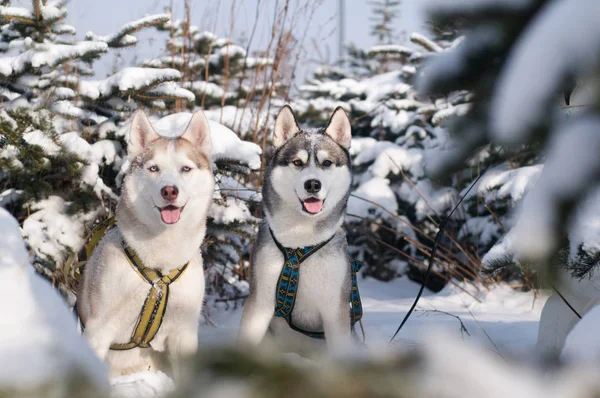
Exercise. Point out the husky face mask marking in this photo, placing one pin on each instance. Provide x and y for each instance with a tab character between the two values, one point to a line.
168	173
310	170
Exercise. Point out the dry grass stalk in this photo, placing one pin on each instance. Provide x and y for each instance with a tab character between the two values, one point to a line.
207	58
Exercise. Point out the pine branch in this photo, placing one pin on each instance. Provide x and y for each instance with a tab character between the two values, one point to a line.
123	37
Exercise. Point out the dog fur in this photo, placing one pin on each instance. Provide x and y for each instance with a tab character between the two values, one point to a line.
324	288
112	293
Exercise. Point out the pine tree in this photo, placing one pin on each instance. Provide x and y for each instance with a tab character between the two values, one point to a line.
394	209
219	72
384	12
61	142
527	117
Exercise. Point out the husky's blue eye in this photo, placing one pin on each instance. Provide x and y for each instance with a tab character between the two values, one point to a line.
327	163
186	169
153	168
297	163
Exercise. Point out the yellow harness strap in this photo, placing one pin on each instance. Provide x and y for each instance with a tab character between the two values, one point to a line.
154	307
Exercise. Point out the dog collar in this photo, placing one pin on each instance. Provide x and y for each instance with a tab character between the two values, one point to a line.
289	280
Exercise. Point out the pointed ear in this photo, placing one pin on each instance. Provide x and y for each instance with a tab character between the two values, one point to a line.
339	128
198	133
285	126
141	134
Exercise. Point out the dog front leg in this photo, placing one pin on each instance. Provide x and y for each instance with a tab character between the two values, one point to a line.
101	331
258	312
181	345
336	324
557	320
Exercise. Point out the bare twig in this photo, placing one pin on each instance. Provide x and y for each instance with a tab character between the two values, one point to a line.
463	328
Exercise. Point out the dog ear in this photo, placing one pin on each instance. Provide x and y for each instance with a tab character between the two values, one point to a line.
285	126
198	133
141	134
339	128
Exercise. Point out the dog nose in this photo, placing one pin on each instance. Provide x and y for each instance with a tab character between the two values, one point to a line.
169	192
312	186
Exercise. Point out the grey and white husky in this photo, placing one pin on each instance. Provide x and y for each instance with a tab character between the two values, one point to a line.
305	192
161	216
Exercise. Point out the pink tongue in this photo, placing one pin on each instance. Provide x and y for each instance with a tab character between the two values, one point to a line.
170	215
314	206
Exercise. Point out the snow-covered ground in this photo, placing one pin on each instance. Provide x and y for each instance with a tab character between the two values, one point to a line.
505	320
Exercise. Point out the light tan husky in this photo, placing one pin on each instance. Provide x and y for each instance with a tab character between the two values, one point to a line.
161	222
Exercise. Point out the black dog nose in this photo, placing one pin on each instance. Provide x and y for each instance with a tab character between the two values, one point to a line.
312	186
169	192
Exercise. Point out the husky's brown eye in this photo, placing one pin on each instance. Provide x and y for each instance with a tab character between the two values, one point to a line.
186	169
327	163
297	163
153	168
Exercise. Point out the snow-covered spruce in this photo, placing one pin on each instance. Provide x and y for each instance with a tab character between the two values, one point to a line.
395	207
520	107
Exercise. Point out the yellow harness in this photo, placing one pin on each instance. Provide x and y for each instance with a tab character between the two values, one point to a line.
155	305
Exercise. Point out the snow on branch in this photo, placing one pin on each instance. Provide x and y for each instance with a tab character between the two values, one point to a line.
130	80
63	29
390	49
426	43
168	90
440	116
123	37
45	14
570	169
48	54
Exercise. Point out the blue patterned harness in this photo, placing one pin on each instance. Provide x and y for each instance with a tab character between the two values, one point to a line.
289	279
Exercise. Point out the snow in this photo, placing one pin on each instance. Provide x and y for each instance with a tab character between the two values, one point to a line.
233	210
45	348
135	79
123	37
425	42
390	49
443	114
232	51
63	29
553	51
570	166
170	90
226	145
200	88
67	109
144	384
52	232
90	173
509	317
497	184
375	190
390	160
63	93
38	137
45	54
